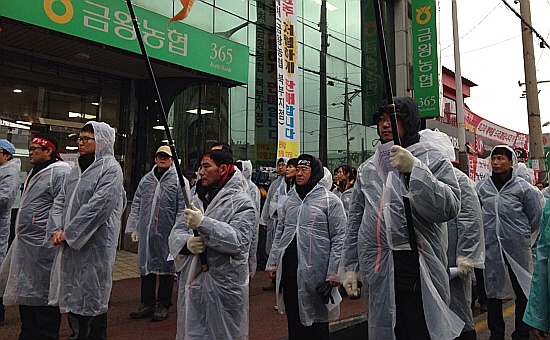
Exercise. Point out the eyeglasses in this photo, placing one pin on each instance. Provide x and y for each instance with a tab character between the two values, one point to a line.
33	148
84	139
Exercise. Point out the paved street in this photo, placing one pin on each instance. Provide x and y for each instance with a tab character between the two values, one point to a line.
265	322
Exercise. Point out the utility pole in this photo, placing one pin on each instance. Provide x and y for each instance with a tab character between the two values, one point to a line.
346	119
323	147
462	154
536	153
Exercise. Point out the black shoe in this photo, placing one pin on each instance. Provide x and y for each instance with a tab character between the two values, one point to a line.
143	312
161	313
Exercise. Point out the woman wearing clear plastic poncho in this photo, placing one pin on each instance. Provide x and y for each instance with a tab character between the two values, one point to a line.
85	224
378	242
466	241
214	304
511	217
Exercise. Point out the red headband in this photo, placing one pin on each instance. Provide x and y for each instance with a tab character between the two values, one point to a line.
47	144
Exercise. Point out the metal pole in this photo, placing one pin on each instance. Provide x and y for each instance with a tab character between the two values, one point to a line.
323	140
346	119
393	118
164	119
536	153
462	154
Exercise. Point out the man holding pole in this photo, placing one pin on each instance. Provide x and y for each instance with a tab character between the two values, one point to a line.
213	304
408	293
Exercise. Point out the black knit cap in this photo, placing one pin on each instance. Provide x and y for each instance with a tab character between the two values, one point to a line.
407	111
317	173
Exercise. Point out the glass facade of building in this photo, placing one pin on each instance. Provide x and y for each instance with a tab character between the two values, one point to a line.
252	131
66	81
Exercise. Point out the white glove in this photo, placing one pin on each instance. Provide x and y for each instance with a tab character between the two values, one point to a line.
135	236
402	159
193	217
465	266
195	244
350	284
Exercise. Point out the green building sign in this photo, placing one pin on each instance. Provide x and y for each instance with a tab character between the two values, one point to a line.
426	69
108	22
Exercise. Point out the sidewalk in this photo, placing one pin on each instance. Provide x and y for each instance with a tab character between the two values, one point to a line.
264	323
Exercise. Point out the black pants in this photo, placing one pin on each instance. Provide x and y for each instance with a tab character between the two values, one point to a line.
164	293
410	321
261	254
480	286
297	331
39	322
468	335
88	327
495	320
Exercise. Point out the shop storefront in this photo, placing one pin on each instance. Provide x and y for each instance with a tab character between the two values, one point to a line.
74	62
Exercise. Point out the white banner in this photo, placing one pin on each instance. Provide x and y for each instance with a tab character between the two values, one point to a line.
288	104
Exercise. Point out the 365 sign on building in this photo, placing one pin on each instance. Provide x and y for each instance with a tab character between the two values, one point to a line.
108	22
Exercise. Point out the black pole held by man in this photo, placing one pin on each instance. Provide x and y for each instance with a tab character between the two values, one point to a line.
390	108
162	111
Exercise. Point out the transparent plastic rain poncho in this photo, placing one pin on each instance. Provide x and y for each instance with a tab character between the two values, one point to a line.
511	220
254	194
377	226
524	173
25	275
214	304
88	209
465	232
9	187
537	312
265	219
318	223
155	207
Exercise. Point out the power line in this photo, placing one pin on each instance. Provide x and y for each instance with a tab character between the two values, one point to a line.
542	41
484	47
479	23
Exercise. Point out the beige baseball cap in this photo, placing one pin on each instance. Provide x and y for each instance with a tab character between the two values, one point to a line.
164	149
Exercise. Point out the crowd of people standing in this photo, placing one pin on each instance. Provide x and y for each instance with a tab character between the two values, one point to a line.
406	229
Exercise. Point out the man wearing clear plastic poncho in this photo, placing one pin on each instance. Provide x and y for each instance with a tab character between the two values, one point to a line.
9	187
511	215
214	304
85	224
254	193
306	252
157	204
25	275
408	296
466	242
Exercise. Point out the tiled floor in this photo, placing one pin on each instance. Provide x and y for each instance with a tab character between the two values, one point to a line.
125	265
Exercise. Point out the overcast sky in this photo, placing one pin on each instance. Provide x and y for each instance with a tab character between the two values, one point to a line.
492	57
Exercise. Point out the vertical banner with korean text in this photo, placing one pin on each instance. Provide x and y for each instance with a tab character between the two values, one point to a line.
428	91
265	98
372	83
288	105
